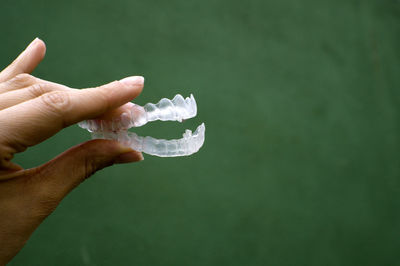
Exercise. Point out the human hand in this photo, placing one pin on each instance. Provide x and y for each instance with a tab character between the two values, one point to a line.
32	110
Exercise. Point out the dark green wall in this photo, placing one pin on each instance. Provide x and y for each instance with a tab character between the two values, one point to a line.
301	164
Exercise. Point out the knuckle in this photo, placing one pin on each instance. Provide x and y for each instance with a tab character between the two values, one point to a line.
38	89
23	79
96	158
56	101
90	168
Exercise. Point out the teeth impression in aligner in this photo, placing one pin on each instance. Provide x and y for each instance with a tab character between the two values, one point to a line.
177	109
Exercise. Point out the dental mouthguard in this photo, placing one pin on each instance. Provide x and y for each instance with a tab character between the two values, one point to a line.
177	109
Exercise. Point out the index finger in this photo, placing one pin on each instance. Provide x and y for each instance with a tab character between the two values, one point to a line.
33	121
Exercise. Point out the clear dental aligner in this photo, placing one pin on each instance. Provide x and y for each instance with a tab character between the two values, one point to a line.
189	144
177	109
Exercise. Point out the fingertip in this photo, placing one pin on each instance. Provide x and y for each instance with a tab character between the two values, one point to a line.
40	47
31	57
129	157
117	112
122	91
133	81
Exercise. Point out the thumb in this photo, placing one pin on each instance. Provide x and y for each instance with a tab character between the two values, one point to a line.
26	62
62	174
34	193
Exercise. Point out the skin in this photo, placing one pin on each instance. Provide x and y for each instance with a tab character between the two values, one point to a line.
32	110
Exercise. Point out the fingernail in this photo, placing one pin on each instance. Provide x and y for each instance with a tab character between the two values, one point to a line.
133	81
129	157
125	120
33	42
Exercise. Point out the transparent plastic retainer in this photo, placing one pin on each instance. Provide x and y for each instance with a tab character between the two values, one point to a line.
177	109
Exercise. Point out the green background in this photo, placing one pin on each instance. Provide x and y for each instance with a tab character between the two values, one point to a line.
301	163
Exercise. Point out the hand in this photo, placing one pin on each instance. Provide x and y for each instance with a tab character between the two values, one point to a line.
32	110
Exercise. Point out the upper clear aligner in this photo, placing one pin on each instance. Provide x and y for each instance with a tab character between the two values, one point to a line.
177	109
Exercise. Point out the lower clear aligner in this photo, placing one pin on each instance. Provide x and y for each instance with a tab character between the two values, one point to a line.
189	144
